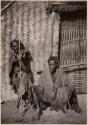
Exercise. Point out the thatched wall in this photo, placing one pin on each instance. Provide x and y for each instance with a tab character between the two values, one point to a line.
29	22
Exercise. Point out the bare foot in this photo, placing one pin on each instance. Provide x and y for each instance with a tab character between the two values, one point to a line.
37	114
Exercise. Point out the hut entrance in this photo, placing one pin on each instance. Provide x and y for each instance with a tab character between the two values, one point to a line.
73	47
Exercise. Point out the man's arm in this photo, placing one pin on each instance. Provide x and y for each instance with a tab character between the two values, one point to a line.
58	81
40	83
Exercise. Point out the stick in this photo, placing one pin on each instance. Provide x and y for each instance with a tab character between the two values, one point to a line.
52	31
20	74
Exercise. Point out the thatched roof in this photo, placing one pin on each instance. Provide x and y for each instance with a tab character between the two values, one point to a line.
54	6
67	6
5	5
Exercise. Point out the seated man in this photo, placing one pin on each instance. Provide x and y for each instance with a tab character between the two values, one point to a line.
55	89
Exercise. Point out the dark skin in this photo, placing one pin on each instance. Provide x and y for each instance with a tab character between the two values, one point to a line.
24	57
15	47
21	57
51	68
16	71
73	99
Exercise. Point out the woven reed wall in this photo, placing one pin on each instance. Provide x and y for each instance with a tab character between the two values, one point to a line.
29	22
73	52
73	38
79	79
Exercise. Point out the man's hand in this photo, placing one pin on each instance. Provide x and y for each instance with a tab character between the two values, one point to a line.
15	57
19	57
53	95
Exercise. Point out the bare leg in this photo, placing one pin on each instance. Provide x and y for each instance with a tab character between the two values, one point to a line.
37	103
18	101
36	100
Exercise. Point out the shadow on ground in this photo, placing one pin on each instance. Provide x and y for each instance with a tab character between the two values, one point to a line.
10	115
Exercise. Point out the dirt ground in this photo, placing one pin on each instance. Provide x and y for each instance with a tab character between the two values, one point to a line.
10	115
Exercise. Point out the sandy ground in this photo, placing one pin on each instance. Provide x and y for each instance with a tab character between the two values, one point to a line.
10	115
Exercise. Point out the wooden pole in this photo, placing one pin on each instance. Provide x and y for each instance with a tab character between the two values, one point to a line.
20	73
52	30
60	48
7	6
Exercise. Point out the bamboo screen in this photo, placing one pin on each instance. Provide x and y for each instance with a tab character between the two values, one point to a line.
73	39
74	47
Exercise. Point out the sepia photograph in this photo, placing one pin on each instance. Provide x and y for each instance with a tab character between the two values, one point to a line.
43	62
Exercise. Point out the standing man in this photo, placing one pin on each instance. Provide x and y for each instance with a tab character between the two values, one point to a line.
19	55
